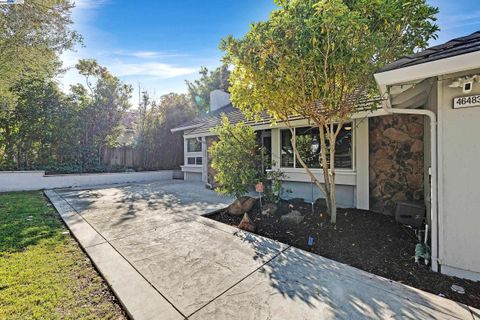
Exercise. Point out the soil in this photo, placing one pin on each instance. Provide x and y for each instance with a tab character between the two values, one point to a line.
366	240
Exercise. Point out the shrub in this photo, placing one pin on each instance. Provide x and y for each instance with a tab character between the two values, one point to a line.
235	158
273	181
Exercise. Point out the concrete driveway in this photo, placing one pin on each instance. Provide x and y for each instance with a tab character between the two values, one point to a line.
165	261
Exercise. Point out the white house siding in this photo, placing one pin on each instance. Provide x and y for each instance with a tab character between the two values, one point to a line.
193	176
459	183
345	194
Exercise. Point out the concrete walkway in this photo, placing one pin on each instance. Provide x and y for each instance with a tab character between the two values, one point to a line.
165	261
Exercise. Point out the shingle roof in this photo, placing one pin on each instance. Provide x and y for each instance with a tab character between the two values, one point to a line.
203	125
452	48
233	114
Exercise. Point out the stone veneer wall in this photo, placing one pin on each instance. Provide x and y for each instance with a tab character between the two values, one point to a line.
396	161
210	172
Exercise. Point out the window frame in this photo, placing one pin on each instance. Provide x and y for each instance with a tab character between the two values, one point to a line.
196	139
295	168
193	155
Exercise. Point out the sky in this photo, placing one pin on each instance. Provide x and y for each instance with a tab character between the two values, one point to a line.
156	45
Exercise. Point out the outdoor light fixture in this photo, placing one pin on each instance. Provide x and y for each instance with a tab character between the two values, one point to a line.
466	83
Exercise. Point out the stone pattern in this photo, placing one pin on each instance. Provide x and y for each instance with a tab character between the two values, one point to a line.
210	171
396	161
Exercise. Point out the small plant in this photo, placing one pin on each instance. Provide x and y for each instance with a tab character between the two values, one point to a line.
273	181
235	158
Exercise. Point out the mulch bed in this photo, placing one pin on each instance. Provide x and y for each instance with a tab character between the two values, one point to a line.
363	239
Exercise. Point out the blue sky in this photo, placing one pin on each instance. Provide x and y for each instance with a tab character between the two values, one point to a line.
159	44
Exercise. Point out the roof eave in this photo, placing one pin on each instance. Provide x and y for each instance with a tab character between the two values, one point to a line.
173	130
425	70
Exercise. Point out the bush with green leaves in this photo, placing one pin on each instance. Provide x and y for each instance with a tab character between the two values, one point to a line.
273	181
235	158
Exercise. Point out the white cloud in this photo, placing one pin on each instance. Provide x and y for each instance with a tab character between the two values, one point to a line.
148	54
151	69
454	20
158	71
145	54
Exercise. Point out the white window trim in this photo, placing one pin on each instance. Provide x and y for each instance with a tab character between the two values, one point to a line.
187	154
318	170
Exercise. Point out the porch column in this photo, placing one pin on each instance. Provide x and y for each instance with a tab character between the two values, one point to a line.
362	189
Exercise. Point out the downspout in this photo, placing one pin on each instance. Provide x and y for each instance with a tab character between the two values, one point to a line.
434	176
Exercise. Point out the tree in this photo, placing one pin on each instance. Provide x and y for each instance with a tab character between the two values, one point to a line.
36	122
316	59
161	148
235	158
210	80
32	36
103	106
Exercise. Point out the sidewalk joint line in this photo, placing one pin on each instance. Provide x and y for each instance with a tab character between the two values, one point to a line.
121	255
236	283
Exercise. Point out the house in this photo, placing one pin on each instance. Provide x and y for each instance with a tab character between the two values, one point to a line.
420	145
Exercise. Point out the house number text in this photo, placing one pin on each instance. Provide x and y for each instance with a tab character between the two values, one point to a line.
466	102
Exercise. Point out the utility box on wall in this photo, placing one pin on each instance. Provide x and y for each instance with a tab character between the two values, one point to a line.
410	213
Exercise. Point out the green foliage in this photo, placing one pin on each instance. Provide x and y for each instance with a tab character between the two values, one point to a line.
32	36
40	126
103	105
48	129
273	181
235	158
311	57
158	146
316	59
200	89
43	272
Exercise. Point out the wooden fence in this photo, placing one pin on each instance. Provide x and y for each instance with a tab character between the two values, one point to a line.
136	158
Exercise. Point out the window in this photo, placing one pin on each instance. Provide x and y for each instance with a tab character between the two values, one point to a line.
286	151
194	145
264	139
194	152
194	161
307	140
308	145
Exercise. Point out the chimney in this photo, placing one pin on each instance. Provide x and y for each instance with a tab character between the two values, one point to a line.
218	99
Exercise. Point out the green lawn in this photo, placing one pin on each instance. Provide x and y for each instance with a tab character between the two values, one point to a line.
43	272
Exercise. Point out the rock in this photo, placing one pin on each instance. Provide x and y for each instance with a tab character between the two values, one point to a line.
241	206
399	196
417	146
384	164
246	224
381	154
414	181
293	216
415	129
269	209
396	135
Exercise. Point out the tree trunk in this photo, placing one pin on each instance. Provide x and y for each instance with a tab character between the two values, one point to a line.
328	174
333	197
328	167
304	165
